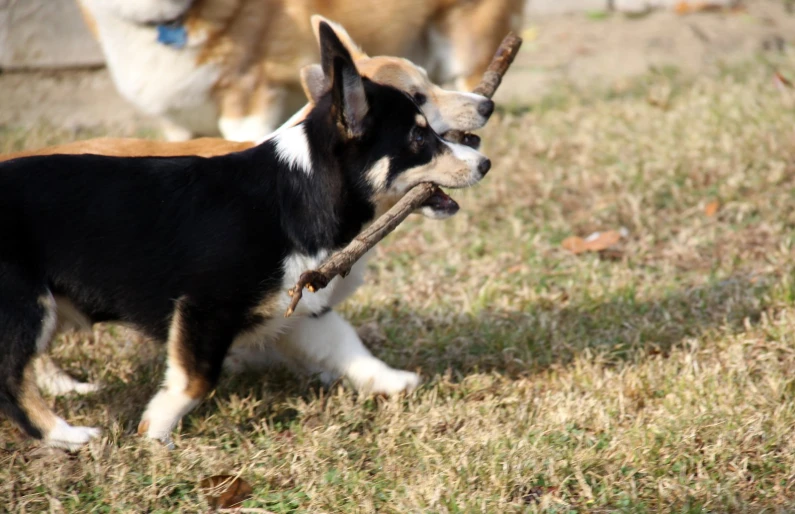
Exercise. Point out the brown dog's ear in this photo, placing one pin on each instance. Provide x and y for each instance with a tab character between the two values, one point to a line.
349	100
313	82
342	34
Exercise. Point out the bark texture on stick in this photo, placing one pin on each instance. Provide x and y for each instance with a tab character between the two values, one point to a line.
341	262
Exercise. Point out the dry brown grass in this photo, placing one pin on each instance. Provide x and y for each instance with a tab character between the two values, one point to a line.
654	379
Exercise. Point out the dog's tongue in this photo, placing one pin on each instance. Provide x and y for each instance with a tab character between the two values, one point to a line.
441	202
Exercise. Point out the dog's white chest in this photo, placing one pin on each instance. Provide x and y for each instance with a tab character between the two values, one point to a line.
310	303
275	323
159	79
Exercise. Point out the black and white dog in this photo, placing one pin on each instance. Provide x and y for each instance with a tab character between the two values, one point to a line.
198	253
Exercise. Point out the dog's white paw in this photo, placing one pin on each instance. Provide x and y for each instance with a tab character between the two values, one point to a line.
67	385
384	380
57	382
85	387
68	437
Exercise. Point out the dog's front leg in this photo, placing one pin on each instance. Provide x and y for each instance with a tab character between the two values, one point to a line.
250	108
331	344
173	131
197	344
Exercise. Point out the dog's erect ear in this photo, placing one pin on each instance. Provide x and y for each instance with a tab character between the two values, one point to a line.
314	82
342	34
347	89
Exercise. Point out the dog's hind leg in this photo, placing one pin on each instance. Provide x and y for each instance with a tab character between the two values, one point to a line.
27	322
55	381
331	344
197	344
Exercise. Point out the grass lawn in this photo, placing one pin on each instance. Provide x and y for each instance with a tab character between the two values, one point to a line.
656	377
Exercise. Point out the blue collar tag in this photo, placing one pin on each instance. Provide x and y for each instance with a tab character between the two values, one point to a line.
172	34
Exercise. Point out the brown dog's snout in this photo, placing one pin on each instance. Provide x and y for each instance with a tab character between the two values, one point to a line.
484	166
485	108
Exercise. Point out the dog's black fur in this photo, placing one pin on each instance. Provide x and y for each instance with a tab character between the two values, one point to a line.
136	239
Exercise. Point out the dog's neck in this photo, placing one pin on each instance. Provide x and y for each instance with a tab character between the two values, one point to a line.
320	206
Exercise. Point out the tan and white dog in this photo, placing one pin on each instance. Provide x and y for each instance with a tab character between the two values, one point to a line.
302	348
231	66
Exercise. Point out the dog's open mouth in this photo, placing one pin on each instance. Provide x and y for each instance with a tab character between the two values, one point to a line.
441	203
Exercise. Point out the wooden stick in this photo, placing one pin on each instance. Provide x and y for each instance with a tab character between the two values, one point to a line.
341	262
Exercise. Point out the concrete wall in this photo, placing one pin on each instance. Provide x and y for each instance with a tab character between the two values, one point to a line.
544	7
52	34
45	34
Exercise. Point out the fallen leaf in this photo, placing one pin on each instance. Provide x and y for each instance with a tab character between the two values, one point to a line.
225	491
781	81
517	268
711	208
596	242
574	244
685	7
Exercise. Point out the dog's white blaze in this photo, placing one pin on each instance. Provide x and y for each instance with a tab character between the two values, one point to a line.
64	435
330	343
472	96
292	147
48	321
378	173
438	123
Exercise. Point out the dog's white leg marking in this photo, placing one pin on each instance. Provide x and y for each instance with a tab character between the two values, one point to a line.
57	432
247	128
259	121
330	343
49	376
56	381
292	148
64	435
174	132
173	400
48	322
168	406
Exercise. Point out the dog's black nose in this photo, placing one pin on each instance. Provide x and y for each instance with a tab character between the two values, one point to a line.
485	108
484	167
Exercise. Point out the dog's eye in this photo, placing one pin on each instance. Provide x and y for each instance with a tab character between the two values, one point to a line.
420	99
419	138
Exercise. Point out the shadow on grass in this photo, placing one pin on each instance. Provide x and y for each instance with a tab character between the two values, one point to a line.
551	334
513	344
